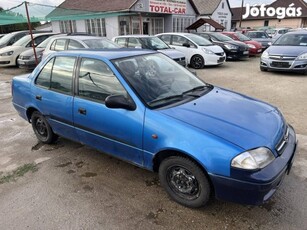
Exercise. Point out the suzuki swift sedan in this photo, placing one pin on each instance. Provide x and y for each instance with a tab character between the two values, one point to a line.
145	108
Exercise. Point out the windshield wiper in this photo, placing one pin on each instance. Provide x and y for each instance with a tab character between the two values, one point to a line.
179	97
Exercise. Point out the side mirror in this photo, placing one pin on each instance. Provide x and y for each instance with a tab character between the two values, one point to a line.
119	102
186	45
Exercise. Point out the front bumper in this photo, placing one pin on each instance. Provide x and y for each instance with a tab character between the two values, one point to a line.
255	51
237	54
26	64
258	186
214	59
6	61
284	65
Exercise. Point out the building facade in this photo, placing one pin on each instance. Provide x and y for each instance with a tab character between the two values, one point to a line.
117	17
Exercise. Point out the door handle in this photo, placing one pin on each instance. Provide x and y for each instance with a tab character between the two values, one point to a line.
38	97
82	111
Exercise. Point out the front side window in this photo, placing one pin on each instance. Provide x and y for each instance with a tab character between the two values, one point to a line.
134	43
44	76
97	81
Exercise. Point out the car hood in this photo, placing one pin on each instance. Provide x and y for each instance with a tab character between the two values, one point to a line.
172	53
292	51
213	48
243	121
30	52
236	43
255	43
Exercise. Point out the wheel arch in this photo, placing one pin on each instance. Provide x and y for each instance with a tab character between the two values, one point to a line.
162	155
29	112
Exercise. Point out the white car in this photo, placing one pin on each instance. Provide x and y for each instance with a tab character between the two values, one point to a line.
199	52
10	54
78	42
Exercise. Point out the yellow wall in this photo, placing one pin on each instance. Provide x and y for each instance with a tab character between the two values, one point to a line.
292	22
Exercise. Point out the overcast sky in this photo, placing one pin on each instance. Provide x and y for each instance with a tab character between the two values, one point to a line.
6	4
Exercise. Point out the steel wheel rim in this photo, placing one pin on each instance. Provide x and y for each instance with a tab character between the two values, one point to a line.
183	183
41	128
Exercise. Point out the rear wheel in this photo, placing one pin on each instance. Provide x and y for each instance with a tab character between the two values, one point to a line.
42	129
184	181
197	62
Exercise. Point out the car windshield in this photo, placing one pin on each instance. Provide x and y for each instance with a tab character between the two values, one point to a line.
23	41
221	37
100	44
258	34
292	40
160	81
242	37
199	40
154	43
6	38
45	43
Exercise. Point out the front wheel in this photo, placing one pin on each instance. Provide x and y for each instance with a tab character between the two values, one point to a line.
42	129
197	62
185	182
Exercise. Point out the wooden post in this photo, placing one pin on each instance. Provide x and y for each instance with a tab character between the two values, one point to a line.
31	34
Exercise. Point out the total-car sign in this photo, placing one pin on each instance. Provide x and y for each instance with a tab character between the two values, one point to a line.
168	6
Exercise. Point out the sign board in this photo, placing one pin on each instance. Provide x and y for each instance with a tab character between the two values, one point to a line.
168	6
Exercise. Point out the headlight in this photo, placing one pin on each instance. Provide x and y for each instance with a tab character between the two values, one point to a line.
7	53
265	54
231	47
251	46
302	56
207	51
253	159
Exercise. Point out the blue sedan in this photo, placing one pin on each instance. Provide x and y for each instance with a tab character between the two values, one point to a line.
143	107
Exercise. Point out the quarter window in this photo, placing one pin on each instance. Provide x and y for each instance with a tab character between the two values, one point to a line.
97	81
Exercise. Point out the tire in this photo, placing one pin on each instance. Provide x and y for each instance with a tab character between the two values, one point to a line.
197	62
184	182
263	69
42	129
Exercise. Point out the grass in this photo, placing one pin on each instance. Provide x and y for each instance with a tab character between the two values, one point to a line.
19	172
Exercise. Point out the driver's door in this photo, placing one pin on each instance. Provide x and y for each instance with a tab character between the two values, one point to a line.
114	131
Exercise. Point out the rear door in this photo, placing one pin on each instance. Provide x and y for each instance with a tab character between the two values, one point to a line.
52	94
114	131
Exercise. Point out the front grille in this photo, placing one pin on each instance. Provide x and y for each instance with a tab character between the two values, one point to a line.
283	142
280	57
179	59
220	54
279	64
24	57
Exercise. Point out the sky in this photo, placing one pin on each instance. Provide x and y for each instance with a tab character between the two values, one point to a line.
6	4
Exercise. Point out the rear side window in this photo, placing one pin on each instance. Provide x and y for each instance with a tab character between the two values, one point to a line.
58	45
57	74
62	74
166	39
74	45
121	42
133	43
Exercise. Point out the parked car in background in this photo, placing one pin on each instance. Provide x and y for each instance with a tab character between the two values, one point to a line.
234	49
10	38
201	139
27	59
254	46
277	32
10	54
260	36
152	43
288	53
1	35
199	52
78	42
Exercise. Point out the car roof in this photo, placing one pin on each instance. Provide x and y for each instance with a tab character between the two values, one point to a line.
80	37
107	53
135	36
298	32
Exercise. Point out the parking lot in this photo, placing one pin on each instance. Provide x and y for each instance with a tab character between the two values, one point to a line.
71	186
